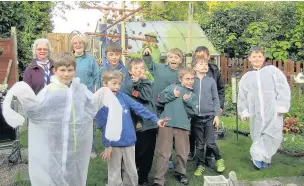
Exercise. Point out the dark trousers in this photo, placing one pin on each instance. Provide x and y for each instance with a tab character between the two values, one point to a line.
192	143
144	152
204	134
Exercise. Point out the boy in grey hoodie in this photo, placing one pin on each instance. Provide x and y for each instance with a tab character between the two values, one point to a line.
208	115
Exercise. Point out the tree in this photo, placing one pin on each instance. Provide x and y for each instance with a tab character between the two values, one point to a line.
30	18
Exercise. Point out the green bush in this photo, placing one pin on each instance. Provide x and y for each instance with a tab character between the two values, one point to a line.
229	107
293	143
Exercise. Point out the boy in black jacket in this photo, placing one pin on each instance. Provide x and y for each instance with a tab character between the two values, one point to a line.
139	87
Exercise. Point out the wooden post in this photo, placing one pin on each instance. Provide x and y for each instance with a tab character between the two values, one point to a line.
123	33
189	43
15	51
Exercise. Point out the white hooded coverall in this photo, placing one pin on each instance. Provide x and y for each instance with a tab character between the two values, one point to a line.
60	129
263	94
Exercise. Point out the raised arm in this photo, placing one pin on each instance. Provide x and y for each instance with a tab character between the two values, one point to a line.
105	97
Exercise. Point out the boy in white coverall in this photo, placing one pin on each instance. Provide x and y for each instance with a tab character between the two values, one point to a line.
264	96
61	124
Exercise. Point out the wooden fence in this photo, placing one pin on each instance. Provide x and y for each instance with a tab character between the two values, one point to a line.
9	70
60	42
230	66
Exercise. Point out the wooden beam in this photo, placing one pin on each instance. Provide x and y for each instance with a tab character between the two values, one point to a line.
113	9
123	18
15	51
8	70
114	36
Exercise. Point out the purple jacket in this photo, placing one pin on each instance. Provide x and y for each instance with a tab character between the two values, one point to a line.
34	76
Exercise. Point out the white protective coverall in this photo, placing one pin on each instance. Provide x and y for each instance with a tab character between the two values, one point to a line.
262	95
60	129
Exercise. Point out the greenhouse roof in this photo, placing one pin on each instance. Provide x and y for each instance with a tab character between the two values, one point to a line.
170	34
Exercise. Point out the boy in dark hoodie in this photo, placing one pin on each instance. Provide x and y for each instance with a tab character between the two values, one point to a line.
122	152
139	87
179	104
207	120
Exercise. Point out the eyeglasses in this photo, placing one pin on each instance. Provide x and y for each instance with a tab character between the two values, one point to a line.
42	49
188	79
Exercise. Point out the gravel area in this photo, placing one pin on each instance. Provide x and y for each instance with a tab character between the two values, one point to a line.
8	173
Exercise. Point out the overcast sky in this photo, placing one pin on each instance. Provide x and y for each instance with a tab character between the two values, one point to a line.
83	20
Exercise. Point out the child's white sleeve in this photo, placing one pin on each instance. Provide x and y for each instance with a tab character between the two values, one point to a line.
242	102
26	97
283	92
105	97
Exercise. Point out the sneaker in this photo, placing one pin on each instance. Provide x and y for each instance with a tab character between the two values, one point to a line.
199	171
156	184
220	167
93	155
257	164
171	165
182	179
265	165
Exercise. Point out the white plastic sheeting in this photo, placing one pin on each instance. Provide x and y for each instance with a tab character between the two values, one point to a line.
60	129
262	95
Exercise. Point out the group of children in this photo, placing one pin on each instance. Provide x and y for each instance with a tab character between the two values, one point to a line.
180	96
183	98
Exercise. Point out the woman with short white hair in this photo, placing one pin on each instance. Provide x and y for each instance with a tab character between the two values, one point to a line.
38	73
87	71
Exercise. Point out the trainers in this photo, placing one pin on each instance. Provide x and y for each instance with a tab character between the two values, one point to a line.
156	184
182	179
257	164
171	165
265	165
220	167
199	171
93	155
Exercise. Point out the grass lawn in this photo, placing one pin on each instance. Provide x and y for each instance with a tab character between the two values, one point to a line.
235	154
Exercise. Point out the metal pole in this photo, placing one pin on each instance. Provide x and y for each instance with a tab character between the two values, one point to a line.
123	33
189	43
237	123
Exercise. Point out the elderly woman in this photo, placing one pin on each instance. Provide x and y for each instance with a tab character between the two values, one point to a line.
38	73
87	70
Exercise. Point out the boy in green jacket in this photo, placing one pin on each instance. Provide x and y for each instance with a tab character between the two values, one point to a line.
179	105
139	87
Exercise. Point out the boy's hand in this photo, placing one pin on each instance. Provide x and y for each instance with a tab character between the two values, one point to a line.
216	121
106	154
187	96
134	78
142	76
162	122
176	92
147	52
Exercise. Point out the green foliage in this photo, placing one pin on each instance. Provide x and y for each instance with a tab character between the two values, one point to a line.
293	143
30	18
297	106
229	107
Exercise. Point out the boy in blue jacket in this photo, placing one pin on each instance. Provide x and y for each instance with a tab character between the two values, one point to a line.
122	152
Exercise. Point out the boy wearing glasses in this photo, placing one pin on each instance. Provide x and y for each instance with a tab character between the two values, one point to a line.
207	120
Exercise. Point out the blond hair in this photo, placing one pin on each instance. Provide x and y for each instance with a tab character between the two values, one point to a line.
41	41
178	52
79	38
64	59
199	59
185	70
108	75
